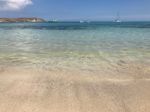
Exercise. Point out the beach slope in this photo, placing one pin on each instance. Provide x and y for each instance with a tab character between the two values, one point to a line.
24	90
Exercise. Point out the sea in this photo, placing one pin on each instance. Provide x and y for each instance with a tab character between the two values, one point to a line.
74	45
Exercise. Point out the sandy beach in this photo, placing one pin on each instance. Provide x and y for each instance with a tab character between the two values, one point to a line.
75	67
36	90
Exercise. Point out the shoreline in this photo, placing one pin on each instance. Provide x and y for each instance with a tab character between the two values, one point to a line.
74	68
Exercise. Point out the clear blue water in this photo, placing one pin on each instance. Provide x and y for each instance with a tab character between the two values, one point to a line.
69	44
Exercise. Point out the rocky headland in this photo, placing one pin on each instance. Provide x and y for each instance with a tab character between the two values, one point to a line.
34	19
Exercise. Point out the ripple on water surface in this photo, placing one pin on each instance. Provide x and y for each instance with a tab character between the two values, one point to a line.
73	44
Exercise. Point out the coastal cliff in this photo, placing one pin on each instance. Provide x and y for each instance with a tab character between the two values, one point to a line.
21	20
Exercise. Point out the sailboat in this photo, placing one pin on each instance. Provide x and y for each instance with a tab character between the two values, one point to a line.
118	20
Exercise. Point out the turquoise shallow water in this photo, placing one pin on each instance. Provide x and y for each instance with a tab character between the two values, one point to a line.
73	44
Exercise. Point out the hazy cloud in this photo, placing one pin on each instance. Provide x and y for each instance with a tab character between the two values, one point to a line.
13	5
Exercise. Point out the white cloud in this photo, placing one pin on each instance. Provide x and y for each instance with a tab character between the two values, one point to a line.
14	4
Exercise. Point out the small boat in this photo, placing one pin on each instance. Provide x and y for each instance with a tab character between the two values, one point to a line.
53	21
81	21
118	20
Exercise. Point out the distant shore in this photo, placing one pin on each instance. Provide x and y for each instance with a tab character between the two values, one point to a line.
13	20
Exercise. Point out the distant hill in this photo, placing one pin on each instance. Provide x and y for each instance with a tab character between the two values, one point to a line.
22	20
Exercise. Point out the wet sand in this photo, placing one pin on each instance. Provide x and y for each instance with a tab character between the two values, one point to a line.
37	90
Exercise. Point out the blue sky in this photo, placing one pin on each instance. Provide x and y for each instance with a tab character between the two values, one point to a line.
77	9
